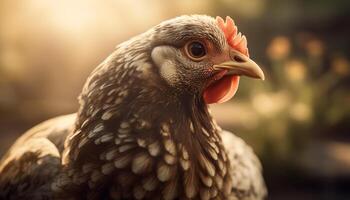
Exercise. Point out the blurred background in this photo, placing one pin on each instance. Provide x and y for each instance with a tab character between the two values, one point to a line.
298	120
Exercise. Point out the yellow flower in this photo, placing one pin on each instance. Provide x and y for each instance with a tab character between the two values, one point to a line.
341	66
279	48
295	70
314	47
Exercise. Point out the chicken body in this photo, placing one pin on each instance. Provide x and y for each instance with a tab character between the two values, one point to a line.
143	131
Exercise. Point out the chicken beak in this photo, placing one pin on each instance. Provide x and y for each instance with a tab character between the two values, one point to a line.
241	64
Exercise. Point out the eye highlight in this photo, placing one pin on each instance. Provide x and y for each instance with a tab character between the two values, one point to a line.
196	50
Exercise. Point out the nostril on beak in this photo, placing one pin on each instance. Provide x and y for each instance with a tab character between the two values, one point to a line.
238	59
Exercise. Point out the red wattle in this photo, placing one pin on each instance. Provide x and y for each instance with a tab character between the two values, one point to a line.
222	90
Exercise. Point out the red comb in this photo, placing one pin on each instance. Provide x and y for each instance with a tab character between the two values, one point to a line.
236	41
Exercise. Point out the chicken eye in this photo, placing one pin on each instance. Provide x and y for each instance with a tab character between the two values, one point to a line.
196	50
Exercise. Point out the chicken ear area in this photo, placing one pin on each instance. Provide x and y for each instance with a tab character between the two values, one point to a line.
221	90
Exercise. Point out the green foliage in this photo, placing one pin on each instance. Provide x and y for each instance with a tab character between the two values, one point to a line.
305	98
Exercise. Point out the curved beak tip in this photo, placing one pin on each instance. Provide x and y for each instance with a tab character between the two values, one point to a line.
261	75
242	66
249	69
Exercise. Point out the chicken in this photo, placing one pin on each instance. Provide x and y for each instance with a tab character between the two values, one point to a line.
143	129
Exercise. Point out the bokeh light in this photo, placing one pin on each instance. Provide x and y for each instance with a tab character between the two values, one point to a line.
297	120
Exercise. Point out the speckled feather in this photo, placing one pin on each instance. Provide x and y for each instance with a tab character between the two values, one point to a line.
132	138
